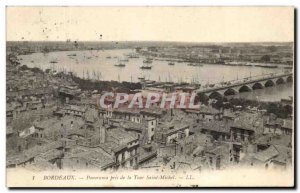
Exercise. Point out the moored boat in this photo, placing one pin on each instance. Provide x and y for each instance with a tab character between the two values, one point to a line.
120	65
53	61
195	64
146	66
148	61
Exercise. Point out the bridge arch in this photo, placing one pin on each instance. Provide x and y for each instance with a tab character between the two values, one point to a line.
244	88
269	83
215	94
257	85
289	79
280	81
230	91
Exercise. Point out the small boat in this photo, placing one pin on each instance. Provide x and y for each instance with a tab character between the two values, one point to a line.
171	63
108	57
269	66
148	61
194	64
71	54
133	57
120	65
146	66
124	60
141	78
235	63
53	61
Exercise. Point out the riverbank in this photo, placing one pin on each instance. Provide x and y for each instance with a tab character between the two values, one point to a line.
279	109
83	84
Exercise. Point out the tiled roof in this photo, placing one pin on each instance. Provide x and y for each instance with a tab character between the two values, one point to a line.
285	153
287	124
75	108
267	154
283	140
249	121
218	126
122	136
94	156
134	125
46	123
32	152
9	130
91	115
218	150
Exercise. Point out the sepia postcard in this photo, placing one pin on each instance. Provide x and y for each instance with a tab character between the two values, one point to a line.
150	96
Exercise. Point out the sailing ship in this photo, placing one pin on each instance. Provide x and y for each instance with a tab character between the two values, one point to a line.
133	55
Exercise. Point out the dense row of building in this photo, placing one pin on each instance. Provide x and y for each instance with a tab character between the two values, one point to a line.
52	124
234	54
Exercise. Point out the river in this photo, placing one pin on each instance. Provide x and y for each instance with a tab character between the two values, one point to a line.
96	64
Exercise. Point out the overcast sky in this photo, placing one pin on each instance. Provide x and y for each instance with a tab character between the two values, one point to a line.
188	24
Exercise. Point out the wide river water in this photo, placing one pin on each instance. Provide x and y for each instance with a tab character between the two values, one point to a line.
95	64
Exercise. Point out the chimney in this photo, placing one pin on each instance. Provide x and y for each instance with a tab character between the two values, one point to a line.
26	144
102	133
67	100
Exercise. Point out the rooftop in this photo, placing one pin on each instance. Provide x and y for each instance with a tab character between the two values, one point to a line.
121	136
218	126
95	156
249	121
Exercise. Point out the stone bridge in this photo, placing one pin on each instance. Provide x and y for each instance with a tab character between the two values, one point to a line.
246	85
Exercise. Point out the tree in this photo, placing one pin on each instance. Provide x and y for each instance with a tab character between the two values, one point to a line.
272	48
265	58
47	70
